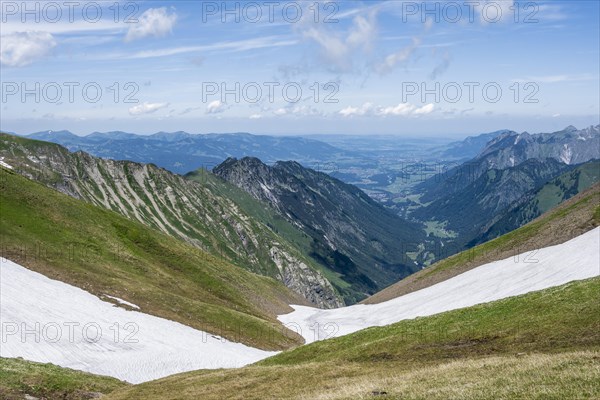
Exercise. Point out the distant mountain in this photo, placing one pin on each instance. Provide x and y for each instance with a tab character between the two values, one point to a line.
569	146
99	136
205	213
358	239
541	200
55	136
182	152
509	149
471	146
468	199
466	211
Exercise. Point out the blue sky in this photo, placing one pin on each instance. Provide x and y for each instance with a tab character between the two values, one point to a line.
353	67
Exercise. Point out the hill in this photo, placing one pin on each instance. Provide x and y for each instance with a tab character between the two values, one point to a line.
19	378
537	202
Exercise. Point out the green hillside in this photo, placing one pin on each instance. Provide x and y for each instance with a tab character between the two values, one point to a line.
105	253
540	345
19	377
200	211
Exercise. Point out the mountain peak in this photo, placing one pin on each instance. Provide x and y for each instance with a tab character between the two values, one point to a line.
570	128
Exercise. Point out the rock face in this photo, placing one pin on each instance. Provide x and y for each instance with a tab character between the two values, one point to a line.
352	235
195	211
569	146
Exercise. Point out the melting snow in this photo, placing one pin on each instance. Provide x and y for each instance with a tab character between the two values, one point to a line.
46	320
5	165
566	154
576	259
50	321
121	301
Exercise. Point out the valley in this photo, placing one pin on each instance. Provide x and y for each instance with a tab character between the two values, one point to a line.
300	200
263	268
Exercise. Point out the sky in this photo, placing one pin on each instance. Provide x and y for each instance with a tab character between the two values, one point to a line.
436	68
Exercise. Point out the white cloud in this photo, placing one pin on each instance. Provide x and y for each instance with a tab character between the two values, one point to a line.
256	116
23	48
147	108
402	109
338	49
362	110
441	67
233	46
156	22
189	110
426	109
280	111
399	57
215	107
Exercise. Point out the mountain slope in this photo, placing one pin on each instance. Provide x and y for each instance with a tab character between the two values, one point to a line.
195	211
19	378
105	253
468	210
569	146
570	219
352	234
510	149
542	344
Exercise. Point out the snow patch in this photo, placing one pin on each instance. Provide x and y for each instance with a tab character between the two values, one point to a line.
576	259
121	301
566	154
5	165
49	321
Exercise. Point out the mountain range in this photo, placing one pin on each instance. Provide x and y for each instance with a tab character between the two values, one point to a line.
182	152
467	199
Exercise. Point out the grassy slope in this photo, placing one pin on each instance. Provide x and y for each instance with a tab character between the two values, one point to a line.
540	345
19	377
105	253
200	211
572	218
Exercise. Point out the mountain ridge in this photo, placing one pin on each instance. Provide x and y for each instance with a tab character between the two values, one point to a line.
335	215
